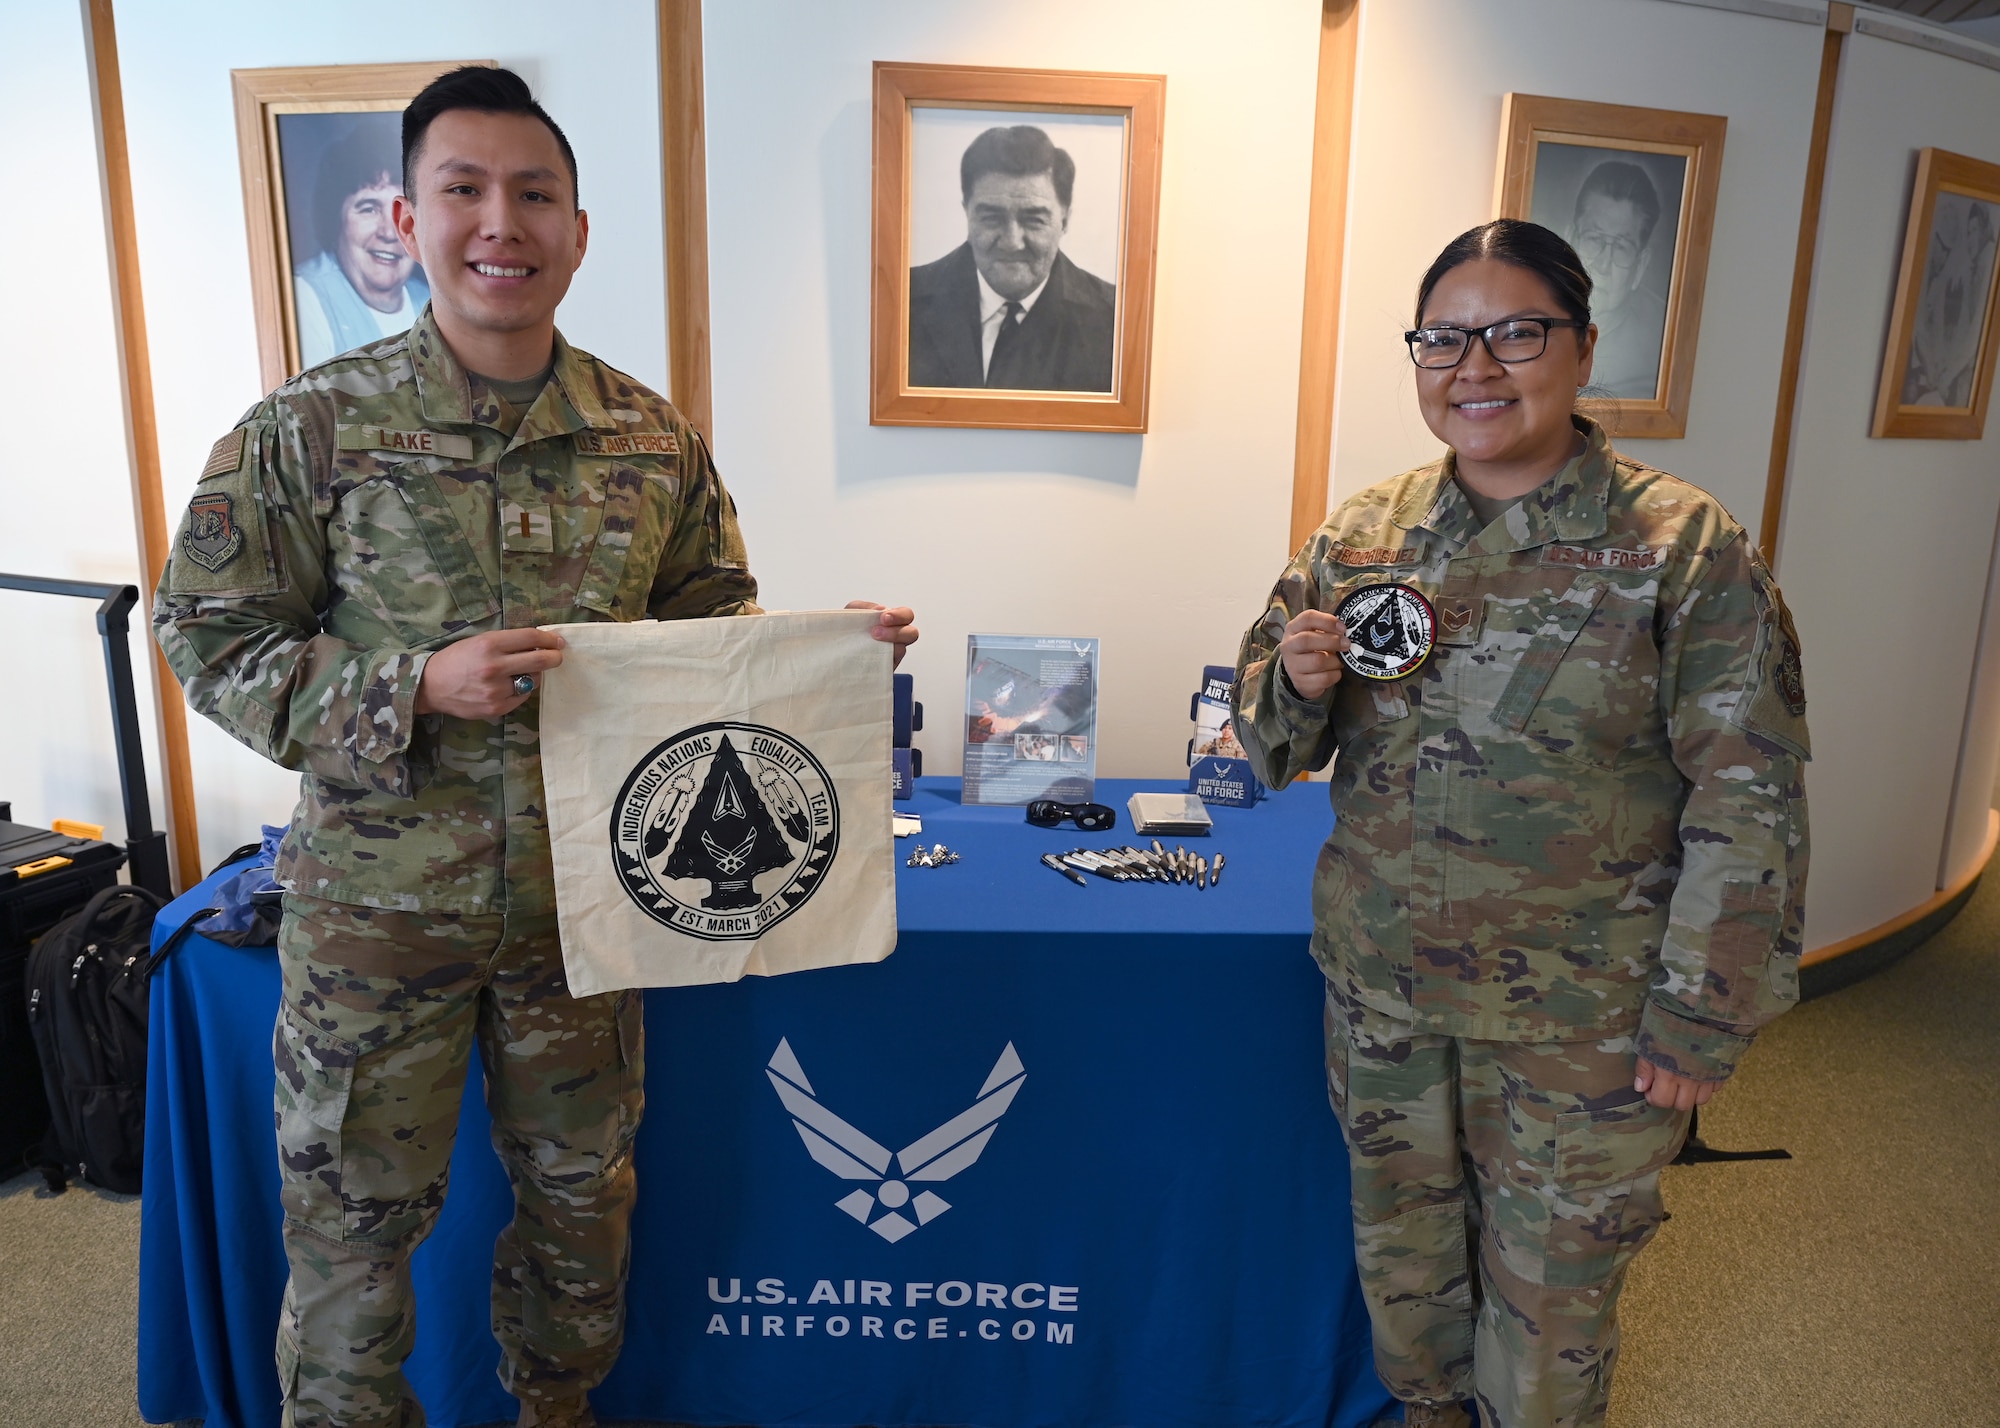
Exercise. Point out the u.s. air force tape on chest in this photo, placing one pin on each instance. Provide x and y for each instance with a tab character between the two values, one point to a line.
718	795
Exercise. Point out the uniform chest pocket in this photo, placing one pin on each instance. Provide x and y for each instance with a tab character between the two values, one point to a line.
637	519
406	556
1587	684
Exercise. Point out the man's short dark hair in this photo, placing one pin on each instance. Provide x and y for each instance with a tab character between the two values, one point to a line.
1017	149
486	91
1623	183
351	163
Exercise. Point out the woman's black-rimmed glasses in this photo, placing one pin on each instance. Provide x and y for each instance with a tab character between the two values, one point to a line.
1518	339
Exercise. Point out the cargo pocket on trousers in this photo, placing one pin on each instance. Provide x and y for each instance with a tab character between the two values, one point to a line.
1334	1026
631	1062
1607	1188
315	1077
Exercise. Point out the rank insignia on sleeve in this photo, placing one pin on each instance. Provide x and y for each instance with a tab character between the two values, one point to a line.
1391	630
212	538
225	455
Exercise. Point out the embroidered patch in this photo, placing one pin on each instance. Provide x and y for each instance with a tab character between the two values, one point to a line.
1790	675
1390	630
1608	559
212	538
225	455
1458	621
631	443
1375	555
417	443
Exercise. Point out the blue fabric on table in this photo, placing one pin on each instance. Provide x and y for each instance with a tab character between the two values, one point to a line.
232	896
1170	1157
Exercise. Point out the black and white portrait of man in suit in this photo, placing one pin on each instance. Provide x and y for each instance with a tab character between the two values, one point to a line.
1007	308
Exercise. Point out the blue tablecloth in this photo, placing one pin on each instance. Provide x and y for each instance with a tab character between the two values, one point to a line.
1155	1233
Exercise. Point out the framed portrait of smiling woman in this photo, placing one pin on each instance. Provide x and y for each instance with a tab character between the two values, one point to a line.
1633	190
1015	213
321	154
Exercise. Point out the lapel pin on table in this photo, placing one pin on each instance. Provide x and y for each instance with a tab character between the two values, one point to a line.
936	856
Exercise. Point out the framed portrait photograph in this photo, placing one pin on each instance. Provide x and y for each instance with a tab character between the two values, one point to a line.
321	150
1015	217
1633	190
1937	372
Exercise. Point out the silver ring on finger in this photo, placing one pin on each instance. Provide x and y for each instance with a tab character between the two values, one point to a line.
524	684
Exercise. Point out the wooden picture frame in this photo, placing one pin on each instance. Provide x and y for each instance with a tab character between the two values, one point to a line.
1615	180
927	117
265	99
1937	371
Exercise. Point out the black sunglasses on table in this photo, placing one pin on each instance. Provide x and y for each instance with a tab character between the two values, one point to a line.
1090	817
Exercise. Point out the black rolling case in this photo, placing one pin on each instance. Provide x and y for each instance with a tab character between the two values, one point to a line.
47	874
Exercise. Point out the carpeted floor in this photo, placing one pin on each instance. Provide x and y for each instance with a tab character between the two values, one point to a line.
1856	1286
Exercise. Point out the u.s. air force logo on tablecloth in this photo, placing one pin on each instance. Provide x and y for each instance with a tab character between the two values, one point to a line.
724	830
854	1155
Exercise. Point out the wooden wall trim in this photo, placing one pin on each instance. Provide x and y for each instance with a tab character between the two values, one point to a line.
1839	21
1326	246
684	186
141	429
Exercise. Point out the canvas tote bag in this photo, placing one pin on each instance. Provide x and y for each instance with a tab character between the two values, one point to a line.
718	797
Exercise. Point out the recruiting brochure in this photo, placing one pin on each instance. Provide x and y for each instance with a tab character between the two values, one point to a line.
1218	769
1030	719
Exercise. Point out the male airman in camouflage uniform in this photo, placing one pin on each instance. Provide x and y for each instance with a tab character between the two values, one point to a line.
1573	842
354	594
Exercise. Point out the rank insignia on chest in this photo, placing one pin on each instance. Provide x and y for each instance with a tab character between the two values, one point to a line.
1391	630
212	538
1458	621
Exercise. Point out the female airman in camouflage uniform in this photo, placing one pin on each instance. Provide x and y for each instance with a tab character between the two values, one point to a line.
1566	883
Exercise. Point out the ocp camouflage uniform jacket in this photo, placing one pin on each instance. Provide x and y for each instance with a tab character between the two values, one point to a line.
1585	815
368	513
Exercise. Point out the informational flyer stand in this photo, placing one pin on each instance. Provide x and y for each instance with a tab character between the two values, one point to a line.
1030	719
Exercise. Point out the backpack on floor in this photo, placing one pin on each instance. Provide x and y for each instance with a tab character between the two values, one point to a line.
87	1003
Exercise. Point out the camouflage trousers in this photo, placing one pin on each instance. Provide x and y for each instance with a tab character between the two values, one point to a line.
1500	1191
381	1012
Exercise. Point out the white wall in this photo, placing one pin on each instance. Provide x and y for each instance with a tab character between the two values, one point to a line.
1423	173
595	66
1163	545
1887	543
64	476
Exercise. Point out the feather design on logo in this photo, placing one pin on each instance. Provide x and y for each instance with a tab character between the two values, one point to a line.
853	1155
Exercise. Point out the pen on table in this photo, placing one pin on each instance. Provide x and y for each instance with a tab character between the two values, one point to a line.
1052	861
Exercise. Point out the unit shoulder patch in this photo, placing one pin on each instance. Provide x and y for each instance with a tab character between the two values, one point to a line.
630	443
212	538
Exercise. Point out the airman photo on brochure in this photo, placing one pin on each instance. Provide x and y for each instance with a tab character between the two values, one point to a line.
1944	332
1633	191
1017	209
